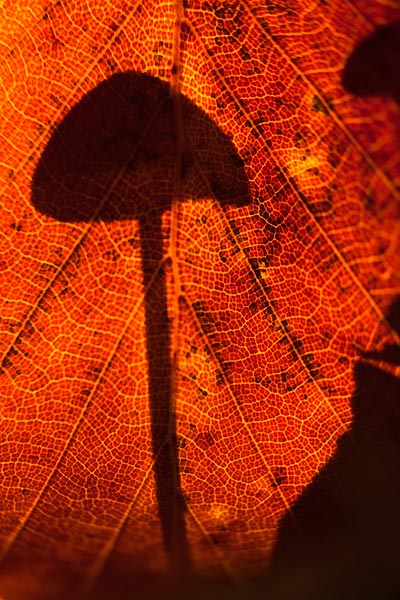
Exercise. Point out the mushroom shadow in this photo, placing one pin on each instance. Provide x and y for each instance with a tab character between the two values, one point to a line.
341	539
130	150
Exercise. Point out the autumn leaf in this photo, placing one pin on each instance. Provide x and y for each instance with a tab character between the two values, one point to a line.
200	264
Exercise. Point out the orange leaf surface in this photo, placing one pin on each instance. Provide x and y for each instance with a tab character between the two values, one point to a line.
200	261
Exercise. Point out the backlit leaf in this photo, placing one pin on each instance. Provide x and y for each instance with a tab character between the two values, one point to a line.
200	261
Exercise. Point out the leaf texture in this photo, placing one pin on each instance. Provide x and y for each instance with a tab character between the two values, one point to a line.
235	252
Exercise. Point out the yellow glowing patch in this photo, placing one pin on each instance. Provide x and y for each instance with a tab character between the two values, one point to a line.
299	163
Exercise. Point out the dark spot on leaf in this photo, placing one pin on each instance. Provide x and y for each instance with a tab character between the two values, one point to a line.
204	440
318	106
279	477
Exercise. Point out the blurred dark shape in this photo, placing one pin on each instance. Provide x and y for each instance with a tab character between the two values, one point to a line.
374	66
391	353
342	539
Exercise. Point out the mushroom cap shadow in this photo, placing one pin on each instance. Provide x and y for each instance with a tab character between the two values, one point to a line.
121	138
374	65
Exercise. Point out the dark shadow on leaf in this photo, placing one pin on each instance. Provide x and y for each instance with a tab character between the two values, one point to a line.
344	539
124	152
374	66
341	539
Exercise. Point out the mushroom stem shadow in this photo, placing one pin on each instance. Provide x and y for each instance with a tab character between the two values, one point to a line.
170	500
